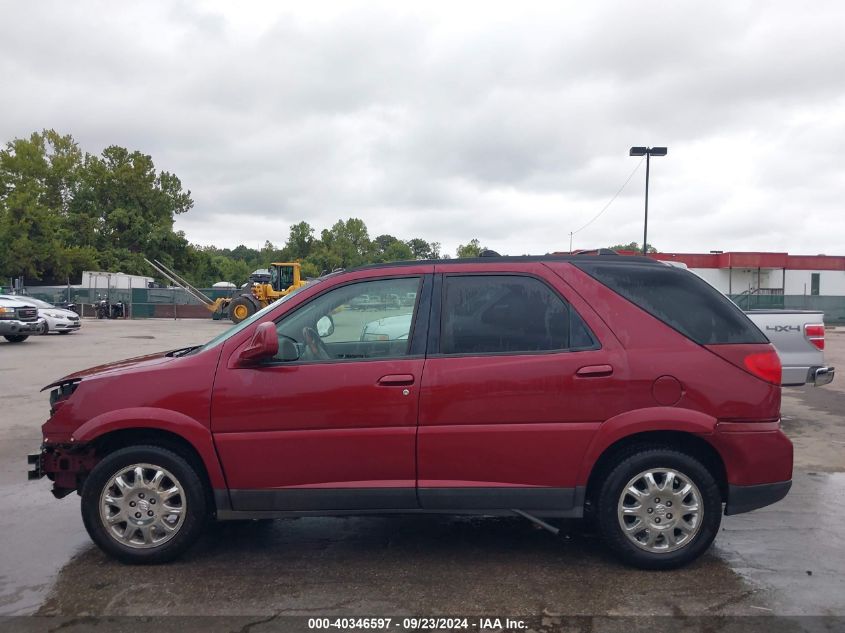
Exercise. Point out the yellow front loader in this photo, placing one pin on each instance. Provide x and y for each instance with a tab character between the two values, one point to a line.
284	279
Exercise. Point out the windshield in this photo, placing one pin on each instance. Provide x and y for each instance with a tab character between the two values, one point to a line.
224	336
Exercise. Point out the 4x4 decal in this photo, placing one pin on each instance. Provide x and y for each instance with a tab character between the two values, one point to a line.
783	328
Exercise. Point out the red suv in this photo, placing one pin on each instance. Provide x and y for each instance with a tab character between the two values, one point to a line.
615	387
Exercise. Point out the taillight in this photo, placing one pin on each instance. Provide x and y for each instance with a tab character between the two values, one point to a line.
765	365
815	334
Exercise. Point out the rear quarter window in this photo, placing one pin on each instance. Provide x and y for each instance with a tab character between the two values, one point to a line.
680	299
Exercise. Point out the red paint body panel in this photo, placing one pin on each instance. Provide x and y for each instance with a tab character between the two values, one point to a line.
151	392
293	425
329	458
489	455
753	457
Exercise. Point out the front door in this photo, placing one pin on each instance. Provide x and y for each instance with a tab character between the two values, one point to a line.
335	429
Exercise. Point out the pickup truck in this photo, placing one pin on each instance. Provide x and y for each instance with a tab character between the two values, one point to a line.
798	337
18	321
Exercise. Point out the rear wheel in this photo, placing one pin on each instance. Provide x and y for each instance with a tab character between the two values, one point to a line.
17	338
144	504
659	508
242	308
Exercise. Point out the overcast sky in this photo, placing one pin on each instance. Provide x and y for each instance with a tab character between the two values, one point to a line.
507	123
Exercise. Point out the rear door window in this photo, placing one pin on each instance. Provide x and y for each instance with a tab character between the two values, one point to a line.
680	299
488	314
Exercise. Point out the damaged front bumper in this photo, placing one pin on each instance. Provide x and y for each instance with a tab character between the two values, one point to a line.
65	466
36	466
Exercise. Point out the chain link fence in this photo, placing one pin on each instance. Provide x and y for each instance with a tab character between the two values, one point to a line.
832	307
140	303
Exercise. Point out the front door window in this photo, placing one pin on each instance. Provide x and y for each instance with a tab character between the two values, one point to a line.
364	320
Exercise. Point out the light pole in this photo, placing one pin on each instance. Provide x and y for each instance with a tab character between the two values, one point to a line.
648	152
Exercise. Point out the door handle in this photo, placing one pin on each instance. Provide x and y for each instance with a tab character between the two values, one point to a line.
594	371
396	380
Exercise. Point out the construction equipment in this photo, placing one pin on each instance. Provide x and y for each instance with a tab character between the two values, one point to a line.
284	279
217	306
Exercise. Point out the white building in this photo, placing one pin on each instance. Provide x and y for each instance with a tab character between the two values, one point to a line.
735	273
104	281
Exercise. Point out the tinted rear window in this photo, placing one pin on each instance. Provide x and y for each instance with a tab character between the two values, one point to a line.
680	299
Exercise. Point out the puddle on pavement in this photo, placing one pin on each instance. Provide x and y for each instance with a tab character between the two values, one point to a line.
795	548
40	535
426	565
403	565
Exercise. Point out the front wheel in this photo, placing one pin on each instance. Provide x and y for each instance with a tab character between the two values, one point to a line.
17	338
659	508
144	504
242	308
44	328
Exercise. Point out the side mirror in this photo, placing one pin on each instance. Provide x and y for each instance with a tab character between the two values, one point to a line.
325	326
264	344
288	350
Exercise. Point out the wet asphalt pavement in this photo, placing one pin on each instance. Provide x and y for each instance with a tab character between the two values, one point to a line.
788	559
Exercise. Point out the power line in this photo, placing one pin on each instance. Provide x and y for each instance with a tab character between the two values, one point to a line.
607	206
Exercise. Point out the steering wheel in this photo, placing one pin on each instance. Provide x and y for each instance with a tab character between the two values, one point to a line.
314	344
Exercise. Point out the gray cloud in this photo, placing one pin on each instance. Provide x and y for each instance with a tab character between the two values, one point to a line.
452	122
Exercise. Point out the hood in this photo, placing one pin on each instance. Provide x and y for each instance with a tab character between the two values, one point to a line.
113	368
11	303
62	311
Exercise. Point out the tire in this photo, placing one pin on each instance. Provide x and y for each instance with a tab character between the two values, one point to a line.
44	329
156	538
242	308
680	538
16	338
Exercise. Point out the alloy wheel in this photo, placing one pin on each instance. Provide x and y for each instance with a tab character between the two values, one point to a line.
142	506
660	510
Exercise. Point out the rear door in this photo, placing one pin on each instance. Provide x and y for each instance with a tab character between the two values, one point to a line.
519	375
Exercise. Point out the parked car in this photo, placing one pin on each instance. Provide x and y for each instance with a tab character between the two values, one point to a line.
18	320
612	387
798	337
392	328
55	319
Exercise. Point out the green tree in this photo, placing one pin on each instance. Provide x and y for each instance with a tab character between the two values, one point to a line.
472	249
344	245
419	248
300	241
37	181
387	248
123	205
632	246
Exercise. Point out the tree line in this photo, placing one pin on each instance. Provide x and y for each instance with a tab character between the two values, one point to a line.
63	211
